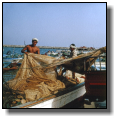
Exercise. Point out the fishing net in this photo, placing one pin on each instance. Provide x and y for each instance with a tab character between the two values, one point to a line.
37	75
33	79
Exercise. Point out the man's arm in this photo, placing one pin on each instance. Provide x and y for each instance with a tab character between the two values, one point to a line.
23	50
38	51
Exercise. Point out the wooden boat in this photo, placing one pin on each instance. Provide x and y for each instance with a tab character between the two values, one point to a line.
59	100
12	68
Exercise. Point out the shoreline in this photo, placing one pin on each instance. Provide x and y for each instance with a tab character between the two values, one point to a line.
46	47
49	47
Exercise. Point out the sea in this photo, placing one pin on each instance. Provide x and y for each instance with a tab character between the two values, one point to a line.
17	50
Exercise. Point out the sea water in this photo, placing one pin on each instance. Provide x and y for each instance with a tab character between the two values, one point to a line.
17	50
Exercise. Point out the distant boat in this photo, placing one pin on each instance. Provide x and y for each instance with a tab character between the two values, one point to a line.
6	69
9	62
11	58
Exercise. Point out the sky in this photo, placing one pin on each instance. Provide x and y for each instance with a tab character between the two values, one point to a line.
55	24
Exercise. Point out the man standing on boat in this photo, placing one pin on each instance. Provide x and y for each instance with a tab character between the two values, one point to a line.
31	48
73	51
72	55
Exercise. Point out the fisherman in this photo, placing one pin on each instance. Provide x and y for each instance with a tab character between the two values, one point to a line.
73	51
31	48
72	55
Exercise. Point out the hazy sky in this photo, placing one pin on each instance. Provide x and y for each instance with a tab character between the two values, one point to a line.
55	24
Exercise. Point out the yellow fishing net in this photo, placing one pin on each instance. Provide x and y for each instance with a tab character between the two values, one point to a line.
32	77
37	75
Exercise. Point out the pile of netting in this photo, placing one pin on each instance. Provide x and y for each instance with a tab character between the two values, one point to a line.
37	75
35	81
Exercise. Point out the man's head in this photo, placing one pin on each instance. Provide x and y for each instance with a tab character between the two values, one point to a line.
34	41
72	47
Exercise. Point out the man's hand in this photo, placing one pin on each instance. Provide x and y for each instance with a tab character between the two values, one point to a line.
26	53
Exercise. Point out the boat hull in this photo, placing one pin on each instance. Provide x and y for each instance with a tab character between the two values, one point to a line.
6	69
11	59
59	100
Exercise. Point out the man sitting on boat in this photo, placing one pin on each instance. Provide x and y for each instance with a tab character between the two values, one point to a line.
31	48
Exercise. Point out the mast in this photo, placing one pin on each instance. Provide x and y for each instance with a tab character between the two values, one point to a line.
24	43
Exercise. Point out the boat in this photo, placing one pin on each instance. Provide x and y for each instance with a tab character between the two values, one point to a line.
12	68
11	61
53	54
11	64
59	100
8	57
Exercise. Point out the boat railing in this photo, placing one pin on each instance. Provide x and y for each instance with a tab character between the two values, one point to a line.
96	57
